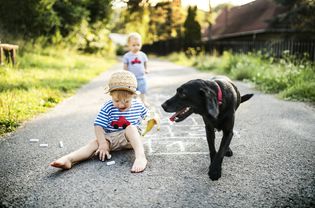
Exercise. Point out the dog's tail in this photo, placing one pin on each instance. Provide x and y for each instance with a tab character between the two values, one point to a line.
246	97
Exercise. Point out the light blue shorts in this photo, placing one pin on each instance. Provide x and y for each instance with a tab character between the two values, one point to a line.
142	86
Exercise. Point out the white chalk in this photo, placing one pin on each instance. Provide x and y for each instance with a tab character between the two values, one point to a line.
43	145
34	140
61	144
109	156
110	163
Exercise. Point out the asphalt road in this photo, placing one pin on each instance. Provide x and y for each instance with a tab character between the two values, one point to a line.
273	163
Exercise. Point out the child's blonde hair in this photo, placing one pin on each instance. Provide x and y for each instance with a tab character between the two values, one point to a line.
134	35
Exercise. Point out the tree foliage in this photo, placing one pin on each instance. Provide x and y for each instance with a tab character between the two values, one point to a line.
70	13
99	10
55	20
132	18
160	21
28	17
87	23
154	22
299	16
192	34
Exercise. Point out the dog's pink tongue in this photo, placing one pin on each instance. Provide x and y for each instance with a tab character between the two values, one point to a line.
172	118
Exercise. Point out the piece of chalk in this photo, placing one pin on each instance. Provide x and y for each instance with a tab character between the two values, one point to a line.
43	145
34	140
110	163
109	156
61	144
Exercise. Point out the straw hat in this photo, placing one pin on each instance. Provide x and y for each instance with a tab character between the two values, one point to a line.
123	80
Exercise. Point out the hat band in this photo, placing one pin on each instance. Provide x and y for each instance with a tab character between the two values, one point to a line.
129	88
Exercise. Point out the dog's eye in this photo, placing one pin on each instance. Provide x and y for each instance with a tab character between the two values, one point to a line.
182	95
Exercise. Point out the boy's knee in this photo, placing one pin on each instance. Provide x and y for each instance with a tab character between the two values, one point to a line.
131	128
132	131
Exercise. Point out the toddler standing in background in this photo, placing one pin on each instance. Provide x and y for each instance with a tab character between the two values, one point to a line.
135	61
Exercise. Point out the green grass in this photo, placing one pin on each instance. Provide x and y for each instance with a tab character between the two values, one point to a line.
41	80
289	77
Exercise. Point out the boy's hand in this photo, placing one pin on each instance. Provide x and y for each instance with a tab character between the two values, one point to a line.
103	152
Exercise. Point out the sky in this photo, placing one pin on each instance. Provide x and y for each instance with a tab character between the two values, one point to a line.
204	4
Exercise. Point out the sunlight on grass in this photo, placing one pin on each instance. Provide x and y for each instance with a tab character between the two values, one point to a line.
41	80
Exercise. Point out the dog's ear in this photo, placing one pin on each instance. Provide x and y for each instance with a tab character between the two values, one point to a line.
211	102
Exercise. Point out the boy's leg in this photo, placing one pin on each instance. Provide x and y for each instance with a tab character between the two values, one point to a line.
134	138
83	153
142	87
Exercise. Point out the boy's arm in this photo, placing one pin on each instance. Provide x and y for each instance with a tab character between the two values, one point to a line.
146	70
103	144
125	61
125	66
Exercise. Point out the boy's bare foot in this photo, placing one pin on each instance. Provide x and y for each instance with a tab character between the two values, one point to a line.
139	165
63	163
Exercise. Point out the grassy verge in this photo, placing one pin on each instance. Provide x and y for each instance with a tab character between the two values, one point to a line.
41	80
289	77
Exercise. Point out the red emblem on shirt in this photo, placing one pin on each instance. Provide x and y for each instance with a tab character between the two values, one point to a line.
136	61
121	122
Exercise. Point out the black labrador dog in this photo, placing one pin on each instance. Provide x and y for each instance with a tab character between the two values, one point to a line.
216	100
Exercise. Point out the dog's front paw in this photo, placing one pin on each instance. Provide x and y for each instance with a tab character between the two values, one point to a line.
214	174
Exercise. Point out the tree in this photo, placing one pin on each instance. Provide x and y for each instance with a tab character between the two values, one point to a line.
33	18
166	20
99	10
28	18
134	5
192	28
133	18
299	15
70	14
160	21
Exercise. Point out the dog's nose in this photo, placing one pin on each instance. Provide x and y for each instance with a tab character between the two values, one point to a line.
164	106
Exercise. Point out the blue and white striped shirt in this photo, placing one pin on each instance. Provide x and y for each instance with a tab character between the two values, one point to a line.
110	113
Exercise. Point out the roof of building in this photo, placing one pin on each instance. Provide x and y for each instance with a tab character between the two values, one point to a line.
253	17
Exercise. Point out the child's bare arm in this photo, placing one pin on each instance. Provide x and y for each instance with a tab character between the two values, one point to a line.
146	68
125	66
103	144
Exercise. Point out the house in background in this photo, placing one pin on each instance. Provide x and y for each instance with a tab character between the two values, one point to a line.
252	21
248	27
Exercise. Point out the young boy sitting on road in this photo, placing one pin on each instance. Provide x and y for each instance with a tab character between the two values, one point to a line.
116	126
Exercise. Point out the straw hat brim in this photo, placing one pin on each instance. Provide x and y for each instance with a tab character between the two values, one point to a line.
108	90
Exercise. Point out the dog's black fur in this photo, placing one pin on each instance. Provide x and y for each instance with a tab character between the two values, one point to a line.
201	97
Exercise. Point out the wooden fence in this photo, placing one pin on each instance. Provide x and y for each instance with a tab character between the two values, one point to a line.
275	48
